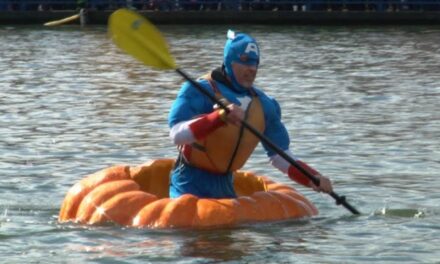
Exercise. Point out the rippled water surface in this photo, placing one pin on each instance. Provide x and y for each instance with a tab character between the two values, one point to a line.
361	104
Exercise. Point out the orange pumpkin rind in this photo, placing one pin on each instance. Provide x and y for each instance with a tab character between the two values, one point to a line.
138	197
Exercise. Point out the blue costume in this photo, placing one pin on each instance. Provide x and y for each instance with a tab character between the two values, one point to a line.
191	103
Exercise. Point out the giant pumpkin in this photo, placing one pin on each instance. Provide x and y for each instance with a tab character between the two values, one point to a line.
138	196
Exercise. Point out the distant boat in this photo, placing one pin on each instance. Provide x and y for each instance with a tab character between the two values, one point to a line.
62	21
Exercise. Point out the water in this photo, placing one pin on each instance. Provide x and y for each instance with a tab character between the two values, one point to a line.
361	104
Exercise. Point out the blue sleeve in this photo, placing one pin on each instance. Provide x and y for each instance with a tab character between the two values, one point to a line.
275	130
189	103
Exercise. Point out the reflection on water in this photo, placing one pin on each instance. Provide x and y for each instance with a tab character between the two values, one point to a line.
221	246
360	103
416	213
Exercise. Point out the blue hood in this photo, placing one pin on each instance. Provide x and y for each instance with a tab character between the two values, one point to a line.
240	48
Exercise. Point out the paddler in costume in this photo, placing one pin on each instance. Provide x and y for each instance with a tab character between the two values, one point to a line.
212	144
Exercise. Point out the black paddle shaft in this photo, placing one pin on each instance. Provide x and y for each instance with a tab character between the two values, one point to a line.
339	199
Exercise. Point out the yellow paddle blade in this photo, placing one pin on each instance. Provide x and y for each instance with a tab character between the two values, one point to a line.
138	37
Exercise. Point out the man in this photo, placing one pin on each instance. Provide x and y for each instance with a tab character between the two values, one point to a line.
213	143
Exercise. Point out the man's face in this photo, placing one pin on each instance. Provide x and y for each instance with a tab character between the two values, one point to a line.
245	74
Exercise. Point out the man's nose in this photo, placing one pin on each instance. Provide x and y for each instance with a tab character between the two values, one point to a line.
252	67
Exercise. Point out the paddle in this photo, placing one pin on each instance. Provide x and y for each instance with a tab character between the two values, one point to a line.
138	37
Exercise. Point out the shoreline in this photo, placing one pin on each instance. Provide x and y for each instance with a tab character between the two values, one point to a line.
238	17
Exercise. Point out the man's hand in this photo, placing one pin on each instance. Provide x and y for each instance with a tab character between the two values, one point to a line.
325	184
235	115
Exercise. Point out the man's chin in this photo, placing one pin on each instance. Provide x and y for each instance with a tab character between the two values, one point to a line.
247	84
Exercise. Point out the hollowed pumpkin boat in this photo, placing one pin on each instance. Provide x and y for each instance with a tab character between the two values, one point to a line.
138	196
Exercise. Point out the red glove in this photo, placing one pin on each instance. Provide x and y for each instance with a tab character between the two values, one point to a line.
207	124
298	176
